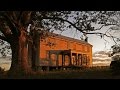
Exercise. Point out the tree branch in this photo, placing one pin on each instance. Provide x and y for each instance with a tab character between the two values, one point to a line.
19	17
113	38
3	38
61	19
100	27
11	24
74	24
25	18
104	34
5	30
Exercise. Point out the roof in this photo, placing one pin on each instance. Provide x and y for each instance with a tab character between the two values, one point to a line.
69	38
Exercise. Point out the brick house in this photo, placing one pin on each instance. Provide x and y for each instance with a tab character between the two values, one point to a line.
59	51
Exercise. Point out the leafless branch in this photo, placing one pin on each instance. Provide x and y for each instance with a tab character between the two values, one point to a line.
117	17
100	27
113	38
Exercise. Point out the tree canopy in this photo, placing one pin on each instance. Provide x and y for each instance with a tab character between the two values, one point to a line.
19	29
48	21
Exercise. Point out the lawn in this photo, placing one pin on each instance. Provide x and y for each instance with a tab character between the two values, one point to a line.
89	73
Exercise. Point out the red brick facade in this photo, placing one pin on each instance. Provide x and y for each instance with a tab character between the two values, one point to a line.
60	50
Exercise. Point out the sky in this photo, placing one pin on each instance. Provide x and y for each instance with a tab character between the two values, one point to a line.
98	43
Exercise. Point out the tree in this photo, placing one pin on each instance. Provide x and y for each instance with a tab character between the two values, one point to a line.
14	30
13	27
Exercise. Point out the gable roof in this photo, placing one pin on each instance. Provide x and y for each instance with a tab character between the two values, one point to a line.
69	38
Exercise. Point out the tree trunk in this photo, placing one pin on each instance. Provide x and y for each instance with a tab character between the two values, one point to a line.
19	48
35	51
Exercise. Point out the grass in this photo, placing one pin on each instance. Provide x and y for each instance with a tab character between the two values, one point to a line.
89	73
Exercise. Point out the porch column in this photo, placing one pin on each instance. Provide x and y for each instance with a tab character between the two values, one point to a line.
57	62
70	58
77	61
49	64
63	60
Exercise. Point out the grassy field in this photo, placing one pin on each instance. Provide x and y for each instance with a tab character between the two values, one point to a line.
89	73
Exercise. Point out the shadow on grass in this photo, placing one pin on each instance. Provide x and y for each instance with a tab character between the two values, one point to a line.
87	73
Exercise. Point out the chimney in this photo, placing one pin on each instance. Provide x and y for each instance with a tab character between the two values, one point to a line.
86	39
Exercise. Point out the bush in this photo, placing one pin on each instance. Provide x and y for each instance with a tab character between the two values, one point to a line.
115	67
2	70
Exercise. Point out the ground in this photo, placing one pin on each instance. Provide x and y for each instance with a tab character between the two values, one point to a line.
100	70
89	73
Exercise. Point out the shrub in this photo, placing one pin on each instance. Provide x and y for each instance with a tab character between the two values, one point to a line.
115	65
2	70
